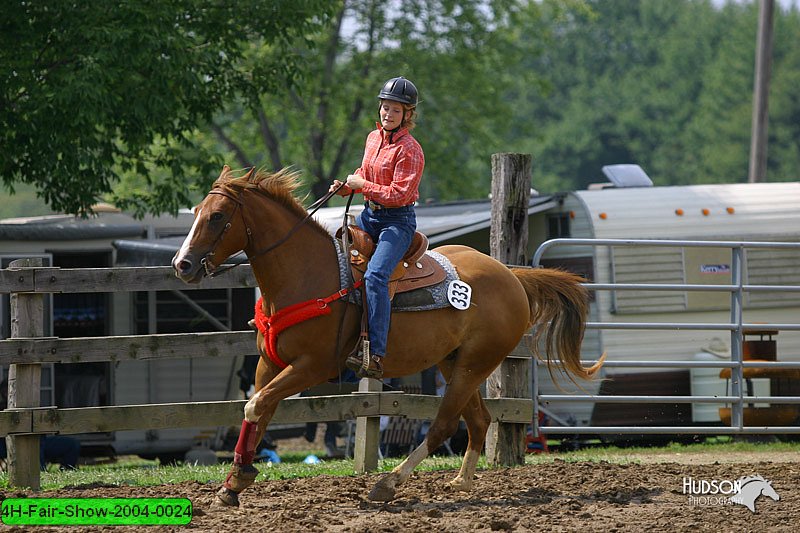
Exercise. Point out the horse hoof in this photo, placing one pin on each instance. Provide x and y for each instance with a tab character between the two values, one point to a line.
228	497
460	484
384	490
240	477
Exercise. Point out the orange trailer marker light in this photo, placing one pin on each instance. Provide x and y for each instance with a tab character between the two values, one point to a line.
705	212
679	212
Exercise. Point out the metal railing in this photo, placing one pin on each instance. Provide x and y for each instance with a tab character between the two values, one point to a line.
737	398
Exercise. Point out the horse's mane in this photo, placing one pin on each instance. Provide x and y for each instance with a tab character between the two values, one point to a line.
278	186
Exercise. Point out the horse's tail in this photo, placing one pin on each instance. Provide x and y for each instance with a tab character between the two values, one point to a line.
559	309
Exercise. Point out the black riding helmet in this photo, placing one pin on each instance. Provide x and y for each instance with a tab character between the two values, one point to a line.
400	90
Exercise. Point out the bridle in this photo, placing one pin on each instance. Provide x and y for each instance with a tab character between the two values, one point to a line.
205	261
212	272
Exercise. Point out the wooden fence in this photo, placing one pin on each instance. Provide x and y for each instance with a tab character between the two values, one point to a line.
25	420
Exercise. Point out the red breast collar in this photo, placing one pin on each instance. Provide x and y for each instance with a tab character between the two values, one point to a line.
270	326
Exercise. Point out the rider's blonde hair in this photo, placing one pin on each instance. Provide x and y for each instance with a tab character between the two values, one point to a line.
411	121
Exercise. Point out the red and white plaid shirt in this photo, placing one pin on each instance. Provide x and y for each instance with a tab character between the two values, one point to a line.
393	169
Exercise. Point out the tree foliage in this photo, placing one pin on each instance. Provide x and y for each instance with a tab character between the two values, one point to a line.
667	85
90	89
463	56
161	92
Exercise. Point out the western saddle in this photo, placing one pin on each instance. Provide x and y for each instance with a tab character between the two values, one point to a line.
415	271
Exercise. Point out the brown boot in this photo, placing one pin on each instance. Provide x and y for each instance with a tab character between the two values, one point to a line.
373	370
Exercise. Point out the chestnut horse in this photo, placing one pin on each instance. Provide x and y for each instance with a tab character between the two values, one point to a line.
295	260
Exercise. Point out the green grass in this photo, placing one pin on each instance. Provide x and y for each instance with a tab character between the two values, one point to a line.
139	472
712	446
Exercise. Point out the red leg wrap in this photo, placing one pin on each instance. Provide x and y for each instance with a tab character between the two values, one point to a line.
246	446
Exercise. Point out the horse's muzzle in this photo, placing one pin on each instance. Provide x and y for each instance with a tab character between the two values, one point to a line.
187	270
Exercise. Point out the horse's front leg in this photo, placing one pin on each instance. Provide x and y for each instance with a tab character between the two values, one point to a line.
242	473
258	411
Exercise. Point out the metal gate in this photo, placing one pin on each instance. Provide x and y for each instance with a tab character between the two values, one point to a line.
737	398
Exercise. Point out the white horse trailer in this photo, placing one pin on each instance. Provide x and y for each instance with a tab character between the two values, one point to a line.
763	212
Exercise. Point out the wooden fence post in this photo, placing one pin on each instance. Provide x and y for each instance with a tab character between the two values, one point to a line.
508	241
365	451
24	383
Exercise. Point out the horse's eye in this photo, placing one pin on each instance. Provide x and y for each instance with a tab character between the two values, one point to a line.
216	216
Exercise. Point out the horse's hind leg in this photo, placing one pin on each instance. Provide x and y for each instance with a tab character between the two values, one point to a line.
443	426
477	418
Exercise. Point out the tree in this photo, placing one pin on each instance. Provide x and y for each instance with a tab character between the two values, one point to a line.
624	78
719	131
464	58
783	151
667	85
92	89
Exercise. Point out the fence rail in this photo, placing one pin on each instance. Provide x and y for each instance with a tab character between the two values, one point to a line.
70	421
25	420
79	280
127	347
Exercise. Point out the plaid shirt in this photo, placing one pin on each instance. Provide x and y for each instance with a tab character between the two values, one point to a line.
392	169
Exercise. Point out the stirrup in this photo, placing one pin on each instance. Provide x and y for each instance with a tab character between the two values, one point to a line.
374	369
364	364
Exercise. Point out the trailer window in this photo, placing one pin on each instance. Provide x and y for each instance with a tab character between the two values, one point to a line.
558	226
82	314
768	266
642	264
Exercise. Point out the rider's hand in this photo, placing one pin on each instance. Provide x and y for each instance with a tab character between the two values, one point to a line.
355	182
344	191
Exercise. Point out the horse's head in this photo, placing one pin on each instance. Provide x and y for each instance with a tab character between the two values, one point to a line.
751	488
218	231
768	490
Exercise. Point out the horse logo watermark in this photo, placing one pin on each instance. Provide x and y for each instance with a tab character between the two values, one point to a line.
743	491
750	488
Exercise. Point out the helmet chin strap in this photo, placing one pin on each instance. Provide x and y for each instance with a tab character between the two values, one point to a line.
392	132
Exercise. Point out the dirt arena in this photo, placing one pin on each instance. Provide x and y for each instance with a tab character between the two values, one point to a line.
555	496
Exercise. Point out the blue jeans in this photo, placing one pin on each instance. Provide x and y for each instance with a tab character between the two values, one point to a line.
392	230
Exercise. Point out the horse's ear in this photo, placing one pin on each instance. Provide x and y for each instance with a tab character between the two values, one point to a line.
225	170
250	174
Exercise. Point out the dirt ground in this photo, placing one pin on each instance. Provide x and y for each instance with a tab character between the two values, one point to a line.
552	497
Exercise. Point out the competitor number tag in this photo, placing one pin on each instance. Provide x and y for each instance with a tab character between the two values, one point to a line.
459	294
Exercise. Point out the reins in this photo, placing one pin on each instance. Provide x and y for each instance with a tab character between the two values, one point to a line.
313	209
